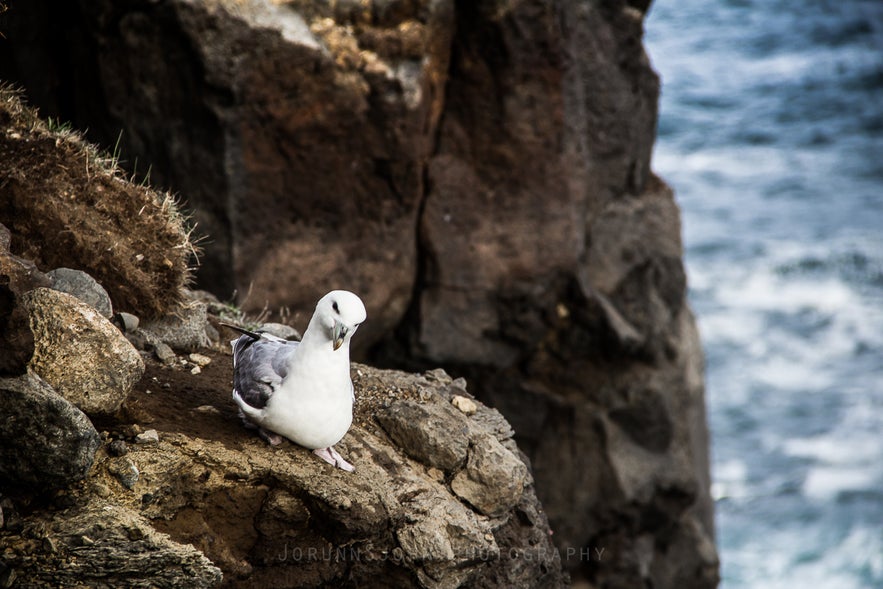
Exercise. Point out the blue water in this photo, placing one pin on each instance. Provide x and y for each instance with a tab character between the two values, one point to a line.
771	133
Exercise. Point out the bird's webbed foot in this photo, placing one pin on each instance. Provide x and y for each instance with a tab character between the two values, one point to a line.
331	456
270	437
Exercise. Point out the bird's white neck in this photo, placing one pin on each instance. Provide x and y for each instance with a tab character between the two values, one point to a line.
317	348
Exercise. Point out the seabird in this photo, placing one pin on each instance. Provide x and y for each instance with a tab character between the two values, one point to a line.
301	390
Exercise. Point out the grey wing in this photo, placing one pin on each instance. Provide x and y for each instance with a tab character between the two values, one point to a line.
259	365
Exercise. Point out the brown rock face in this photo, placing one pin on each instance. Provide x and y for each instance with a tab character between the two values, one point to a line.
544	125
298	132
493	479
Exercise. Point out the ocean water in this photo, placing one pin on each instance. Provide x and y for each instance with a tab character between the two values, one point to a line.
771	133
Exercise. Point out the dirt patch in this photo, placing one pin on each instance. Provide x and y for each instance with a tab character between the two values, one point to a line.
169	397
67	205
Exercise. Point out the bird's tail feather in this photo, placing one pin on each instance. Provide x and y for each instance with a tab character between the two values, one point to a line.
242	330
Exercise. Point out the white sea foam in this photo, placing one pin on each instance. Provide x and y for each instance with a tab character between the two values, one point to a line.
731	165
862	548
785	374
730	480
814	558
828	482
759	309
852	445
847	458
764	291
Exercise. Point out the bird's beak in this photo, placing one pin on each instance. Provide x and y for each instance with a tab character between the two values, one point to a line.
338	333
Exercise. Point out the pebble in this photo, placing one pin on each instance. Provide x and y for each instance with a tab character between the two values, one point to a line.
207	409
199	359
195	370
102	490
130	430
125	471
437	375
164	352
148	437
138	339
117	448
127	322
464	404
436	473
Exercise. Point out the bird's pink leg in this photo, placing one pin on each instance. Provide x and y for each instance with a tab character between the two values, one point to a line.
331	456
270	437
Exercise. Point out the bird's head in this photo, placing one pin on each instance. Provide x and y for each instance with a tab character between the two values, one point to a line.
340	313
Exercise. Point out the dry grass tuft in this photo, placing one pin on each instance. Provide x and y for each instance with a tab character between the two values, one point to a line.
68	204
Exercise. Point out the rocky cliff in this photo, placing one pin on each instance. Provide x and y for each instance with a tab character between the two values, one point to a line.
479	172
123	463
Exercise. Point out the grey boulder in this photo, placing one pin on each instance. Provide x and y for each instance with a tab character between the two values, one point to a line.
45	442
82	286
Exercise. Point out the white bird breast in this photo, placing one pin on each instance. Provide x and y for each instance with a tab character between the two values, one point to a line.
314	415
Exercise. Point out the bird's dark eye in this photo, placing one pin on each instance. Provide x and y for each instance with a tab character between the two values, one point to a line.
335	307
